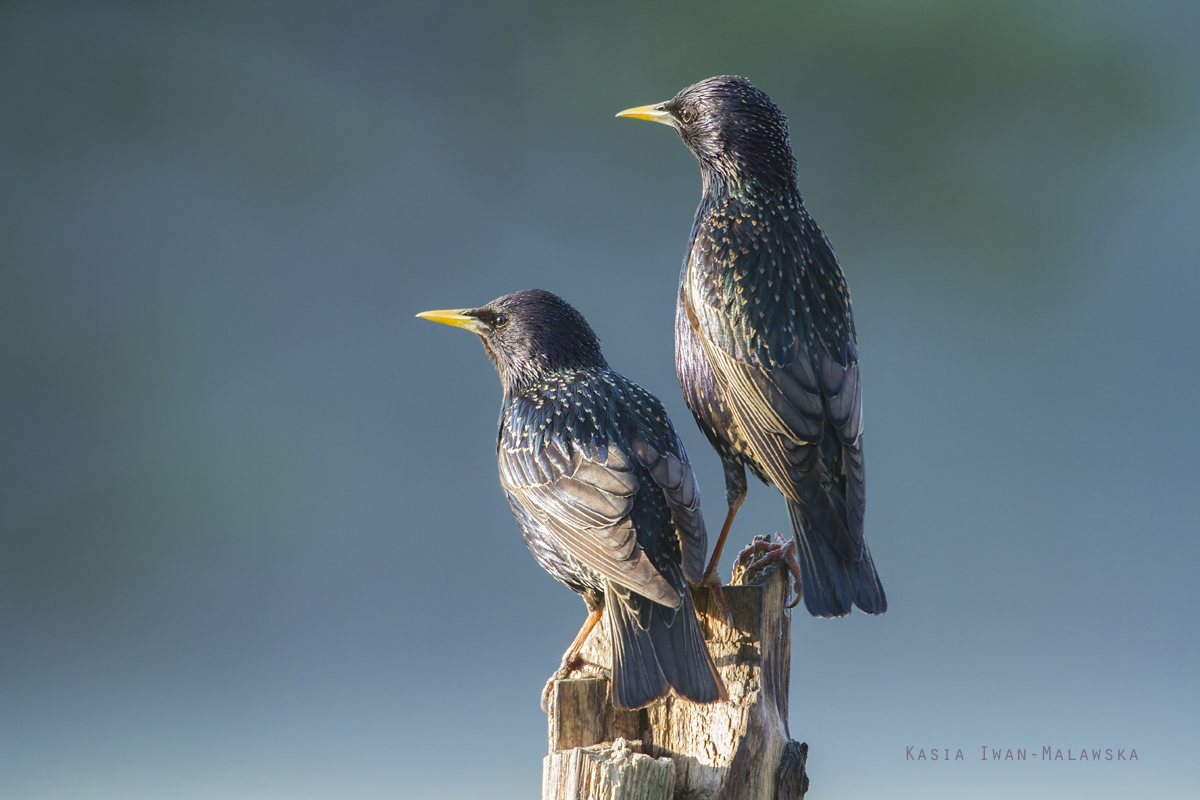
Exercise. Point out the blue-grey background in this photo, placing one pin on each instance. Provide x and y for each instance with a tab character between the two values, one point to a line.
251	539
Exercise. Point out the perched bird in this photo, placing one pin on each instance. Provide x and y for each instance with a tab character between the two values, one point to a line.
765	345
602	490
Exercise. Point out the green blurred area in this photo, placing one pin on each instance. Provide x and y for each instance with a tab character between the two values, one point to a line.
108	472
972	137
971	130
964	126
251	540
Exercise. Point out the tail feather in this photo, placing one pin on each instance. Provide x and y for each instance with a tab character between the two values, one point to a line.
683	656
865	585
637	679
668	653
831	583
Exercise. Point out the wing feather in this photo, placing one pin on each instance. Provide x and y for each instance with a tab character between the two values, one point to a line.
673	474
583	496
783	411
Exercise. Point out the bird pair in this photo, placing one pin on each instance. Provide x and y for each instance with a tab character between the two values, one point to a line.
765	348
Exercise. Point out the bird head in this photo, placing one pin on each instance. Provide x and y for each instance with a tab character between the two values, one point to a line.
736	132
528	334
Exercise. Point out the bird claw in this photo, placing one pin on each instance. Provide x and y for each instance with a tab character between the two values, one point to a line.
713	581
762	553
565	671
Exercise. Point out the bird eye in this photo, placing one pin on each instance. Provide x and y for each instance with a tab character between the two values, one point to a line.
500	321
687	115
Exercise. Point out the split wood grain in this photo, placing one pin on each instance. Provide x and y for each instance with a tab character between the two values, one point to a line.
607	772
738	750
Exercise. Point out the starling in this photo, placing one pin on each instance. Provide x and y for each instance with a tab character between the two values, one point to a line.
602	490
765	345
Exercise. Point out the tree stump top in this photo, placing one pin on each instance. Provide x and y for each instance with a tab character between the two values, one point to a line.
738	750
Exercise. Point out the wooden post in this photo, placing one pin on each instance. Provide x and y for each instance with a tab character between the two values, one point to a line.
607	772
739	750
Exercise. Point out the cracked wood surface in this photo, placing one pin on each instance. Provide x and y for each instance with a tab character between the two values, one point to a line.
739	750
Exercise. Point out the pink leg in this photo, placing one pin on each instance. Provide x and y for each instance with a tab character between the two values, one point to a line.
571	659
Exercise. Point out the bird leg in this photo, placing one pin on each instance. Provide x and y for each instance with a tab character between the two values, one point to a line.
711	572
571	659
735	493
750	562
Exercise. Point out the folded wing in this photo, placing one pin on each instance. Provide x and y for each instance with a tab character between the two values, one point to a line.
583	496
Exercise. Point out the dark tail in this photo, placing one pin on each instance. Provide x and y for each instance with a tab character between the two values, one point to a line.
656	648
831	583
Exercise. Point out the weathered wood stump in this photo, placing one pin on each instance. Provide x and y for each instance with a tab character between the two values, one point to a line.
614	771
739	750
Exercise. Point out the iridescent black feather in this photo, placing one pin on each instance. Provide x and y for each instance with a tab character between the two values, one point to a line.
602	490
765	344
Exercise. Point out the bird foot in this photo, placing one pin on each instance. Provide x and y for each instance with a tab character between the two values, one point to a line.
713	581
565	671
762	553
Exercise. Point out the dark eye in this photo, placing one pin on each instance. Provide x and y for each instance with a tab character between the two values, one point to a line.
500	321
687	115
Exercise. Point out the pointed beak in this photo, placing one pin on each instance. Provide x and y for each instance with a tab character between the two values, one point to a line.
654	113
457	317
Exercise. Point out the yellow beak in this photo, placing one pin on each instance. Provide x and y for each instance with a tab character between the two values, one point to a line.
654	113
456	317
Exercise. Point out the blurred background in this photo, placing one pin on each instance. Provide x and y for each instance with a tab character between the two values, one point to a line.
252	543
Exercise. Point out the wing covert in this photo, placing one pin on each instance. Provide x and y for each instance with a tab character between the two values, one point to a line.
584	497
